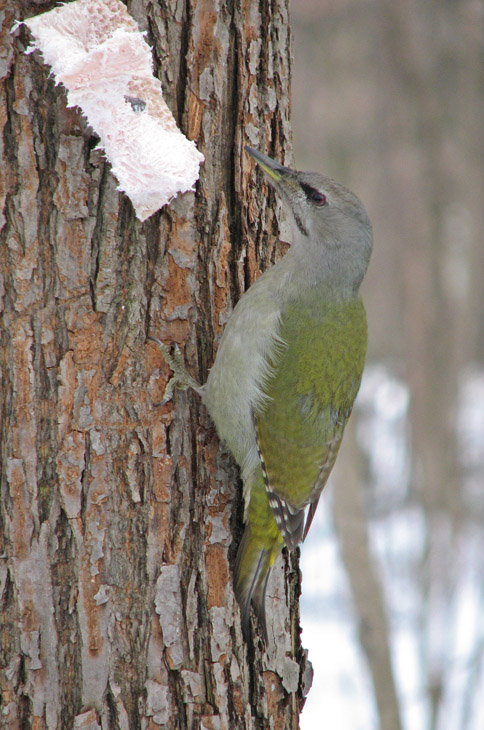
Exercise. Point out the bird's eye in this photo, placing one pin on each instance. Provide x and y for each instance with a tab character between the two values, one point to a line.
318	198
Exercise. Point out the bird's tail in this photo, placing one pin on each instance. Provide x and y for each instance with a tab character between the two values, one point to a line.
255	559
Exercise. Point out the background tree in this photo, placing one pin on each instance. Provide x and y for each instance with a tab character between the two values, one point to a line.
120	519
395	111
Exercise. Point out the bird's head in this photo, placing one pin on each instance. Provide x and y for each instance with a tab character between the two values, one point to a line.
328	220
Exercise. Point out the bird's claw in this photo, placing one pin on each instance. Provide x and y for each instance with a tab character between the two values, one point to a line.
180	379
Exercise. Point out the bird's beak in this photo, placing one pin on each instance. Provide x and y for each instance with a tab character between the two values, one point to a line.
272	169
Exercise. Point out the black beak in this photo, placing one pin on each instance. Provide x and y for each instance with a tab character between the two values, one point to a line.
272	168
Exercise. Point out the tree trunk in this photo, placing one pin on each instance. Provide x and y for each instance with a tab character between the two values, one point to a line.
120	519
352	530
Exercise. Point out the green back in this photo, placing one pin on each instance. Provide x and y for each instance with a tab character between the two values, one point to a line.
315	381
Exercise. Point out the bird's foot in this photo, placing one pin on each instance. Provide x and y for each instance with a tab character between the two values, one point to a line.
180	379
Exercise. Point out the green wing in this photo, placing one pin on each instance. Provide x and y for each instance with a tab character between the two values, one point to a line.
311	392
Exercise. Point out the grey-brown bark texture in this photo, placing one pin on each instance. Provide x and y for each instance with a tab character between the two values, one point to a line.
120	519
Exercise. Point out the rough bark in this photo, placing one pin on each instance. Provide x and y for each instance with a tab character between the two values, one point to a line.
120	519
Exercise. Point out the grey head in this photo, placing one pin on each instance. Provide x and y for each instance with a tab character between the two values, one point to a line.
329	223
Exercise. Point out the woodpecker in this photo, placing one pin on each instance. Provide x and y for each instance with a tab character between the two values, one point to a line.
288	370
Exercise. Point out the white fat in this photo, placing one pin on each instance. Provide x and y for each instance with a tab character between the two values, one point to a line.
96	50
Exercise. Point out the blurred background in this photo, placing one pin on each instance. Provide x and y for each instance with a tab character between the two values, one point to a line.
388	98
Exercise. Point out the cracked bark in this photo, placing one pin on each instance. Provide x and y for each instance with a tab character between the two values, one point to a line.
119	519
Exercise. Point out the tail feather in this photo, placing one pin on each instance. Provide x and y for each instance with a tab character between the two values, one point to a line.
252	570
259	598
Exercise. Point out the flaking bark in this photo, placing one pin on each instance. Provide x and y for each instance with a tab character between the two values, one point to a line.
120	519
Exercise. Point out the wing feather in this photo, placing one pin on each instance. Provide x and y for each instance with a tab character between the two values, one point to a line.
309	399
